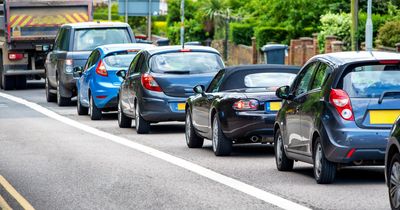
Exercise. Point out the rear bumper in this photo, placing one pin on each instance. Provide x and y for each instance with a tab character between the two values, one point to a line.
13	70
110	92
247	124
158	107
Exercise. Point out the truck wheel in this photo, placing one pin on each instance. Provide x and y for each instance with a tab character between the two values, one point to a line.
94	112
61	101
8	82
222	146
20	82
50	97
324	170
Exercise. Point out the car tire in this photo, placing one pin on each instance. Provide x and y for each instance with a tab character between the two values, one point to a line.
50	97
123	120
283	163
192	139
141	125
94	112
79	108
8	82
20	82
394	182
61	101
324	170
221	145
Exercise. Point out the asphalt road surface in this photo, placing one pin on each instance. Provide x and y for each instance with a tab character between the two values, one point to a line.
71	162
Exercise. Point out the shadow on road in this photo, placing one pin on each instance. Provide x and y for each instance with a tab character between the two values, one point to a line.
35	84
167	128
249	150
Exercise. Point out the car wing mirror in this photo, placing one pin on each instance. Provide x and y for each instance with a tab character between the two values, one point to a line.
78	71
121	73
284	93
199	89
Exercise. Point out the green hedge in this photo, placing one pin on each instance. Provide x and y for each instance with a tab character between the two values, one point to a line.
241	33
389	33
266	35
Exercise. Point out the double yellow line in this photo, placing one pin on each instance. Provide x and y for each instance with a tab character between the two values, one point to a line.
13	192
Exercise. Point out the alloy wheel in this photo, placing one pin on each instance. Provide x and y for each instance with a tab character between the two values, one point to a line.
119	113
215	139
279	149
137	113
187	128
318	160
90	106
394	187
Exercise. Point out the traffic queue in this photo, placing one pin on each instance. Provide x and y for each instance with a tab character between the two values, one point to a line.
337	110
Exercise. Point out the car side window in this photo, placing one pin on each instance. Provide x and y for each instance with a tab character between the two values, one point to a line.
133	65
321	75
216	82
139	64
93	58
59	39
303	83
64	42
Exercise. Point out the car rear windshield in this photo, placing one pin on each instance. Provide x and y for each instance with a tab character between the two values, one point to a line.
186	63
370	81
271	80
88	39
120	59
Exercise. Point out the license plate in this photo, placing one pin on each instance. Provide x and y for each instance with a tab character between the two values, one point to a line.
383	116
273	106
181	106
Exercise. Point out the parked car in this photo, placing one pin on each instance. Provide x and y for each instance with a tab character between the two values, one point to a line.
239	106
73	45
98	85
159	81
392	166
338	111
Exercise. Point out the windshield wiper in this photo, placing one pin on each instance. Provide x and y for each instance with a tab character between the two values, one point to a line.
176	72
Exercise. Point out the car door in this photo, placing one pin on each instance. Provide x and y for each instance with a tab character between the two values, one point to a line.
311	109
126	87
88	74
135	83
293	138
51	64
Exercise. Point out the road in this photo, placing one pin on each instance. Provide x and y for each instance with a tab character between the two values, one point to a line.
56	160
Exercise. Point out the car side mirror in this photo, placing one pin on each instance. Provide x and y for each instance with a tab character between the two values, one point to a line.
121	73
284	93
199	89
78	71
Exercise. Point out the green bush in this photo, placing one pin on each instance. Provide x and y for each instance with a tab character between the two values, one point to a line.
335	24
241	33
266	35
389	33
193	32
377	20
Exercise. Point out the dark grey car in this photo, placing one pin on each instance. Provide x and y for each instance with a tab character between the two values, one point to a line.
159	81
72	47
338	111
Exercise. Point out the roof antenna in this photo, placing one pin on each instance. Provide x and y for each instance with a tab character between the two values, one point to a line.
183	23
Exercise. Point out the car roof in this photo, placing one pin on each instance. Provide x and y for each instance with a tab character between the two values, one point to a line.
266	67
177	48
343	58
95	25
109	48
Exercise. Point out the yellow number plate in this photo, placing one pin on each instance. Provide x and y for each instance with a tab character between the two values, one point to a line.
274	106
181	106
383	116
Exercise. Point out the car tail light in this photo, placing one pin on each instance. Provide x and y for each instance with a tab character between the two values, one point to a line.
15	56
68	65
185	50
150	83
243	105
341	101
101	69
389	61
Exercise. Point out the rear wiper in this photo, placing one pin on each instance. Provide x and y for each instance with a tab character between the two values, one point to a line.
176	72
387	93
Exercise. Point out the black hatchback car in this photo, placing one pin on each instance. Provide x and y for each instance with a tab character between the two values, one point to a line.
392	166
159	81
338	111
239	106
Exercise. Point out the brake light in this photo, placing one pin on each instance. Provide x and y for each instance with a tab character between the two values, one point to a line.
389	61
185	50
15	56
341	101
242	105
150	83
101	69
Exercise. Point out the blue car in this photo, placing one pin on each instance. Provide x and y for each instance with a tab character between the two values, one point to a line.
98	85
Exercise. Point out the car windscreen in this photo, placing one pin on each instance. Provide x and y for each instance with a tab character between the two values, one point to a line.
370	81
88	39
120	59
186	63
270	81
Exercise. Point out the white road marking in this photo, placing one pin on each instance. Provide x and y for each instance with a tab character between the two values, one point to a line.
225	180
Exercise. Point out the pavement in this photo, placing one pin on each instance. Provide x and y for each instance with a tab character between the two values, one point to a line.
54	165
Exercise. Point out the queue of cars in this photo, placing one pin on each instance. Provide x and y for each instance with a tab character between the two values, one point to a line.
338	110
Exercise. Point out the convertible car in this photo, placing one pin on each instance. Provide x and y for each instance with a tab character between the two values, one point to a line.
239	106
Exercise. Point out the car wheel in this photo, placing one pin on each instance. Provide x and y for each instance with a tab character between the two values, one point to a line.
192	139
142	126
222	146
61	101
324	170
81	109
50	97
394	182
94	112
283	163
123	120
